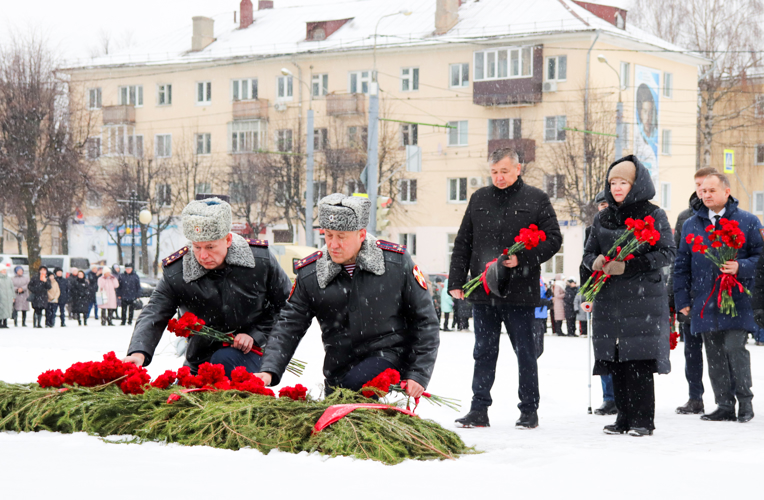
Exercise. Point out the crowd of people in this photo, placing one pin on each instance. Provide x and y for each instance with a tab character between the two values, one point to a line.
51	294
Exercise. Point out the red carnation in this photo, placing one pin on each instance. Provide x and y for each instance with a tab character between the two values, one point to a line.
297	393
165	380
51	378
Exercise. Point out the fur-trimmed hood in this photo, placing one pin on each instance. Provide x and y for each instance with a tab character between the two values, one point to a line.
370	258
239	254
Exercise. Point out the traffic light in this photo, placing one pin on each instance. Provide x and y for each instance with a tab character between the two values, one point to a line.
383	209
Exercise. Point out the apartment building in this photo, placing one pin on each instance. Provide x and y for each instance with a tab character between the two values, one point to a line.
457	80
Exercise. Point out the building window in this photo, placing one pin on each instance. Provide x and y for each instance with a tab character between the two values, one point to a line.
163	145
284	88
246	136
358	82
666	142
758	202
460	75
357	137
457	135
666	195
409	241
760	154
557	68
241	193
506	128
668	85
164	94
512	62
555	186
203	92
625	75
93	199
203	144
555	264
284	140
244	89
94	98
120	140
554	128
409	134
457	189
409	79
131	95
135	145
164	195
758	109
407	193
93	148
319	191
320	139
450	239
354	186
320	85
202	188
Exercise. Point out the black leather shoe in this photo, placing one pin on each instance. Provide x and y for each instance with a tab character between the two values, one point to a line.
691	407
614	429
720	415
475	418
640	431
607	408
745	412
527	420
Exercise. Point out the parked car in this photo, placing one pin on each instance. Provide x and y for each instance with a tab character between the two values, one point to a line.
148	284
288	255
65	262
10	261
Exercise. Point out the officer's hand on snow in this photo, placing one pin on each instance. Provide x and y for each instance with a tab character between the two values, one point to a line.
413	389
457	294
511	261
598	263
243	342
136	358
614	268
758	315
730	267
265	377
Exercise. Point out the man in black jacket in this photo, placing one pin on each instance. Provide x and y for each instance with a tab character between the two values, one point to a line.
63	298
233	284
494	217
370	300
130	289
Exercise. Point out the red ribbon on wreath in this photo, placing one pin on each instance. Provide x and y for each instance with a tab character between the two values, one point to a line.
726	283
338	412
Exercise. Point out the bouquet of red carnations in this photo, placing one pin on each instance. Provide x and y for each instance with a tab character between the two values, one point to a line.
389	381
725	244
638	232
190	325
129	377
528	239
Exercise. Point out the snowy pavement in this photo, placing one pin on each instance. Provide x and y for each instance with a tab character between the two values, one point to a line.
567	456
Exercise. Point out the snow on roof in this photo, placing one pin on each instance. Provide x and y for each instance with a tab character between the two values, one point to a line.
282	30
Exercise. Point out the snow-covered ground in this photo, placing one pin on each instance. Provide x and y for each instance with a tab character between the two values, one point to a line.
567	456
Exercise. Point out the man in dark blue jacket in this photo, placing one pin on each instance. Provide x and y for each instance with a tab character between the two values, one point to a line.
130	288
696	287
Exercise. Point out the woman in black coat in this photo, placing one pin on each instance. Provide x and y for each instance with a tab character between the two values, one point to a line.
630	315
38	287
79	295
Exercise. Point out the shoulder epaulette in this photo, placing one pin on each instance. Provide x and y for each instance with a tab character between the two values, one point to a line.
175	256
391	247
310	259
256	243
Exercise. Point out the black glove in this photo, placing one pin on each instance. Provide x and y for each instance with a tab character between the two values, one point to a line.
758	315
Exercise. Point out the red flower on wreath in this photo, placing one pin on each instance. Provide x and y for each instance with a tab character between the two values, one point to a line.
297	393
383	381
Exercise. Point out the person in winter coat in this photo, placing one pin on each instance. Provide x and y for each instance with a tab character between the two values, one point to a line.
79	297
370	300
558	298
116	271
21	297
446	305
570	311
758	292
93	275
107	286
38	287
630	318
63	298
583	323
6	298
693	343
53	295
494	217
541	312
72	279
130	291
696	287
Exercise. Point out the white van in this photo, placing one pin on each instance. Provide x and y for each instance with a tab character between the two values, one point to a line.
10	261
65	262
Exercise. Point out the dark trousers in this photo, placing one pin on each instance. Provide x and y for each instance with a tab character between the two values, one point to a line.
584	327
232	358
571	323
62	313
364	371
445	323
519	323
558	327
539	329
693	361
50	315
729	367
94	307
128	307
37	317
23	317
634	393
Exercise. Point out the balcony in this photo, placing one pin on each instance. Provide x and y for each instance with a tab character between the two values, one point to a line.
526	148
119	115
247	110
512	91
345	104
345	157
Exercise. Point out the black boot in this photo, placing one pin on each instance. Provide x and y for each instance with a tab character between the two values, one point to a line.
691	407
607	408
475	418
640	432
15	322
23	318
720	415
527	420
614	429
745	412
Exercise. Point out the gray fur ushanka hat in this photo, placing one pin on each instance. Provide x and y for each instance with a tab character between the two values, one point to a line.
206	220
338	212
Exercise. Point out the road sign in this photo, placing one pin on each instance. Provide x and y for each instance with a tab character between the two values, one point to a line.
729	161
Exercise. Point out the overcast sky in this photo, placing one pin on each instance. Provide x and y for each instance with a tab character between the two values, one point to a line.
73	27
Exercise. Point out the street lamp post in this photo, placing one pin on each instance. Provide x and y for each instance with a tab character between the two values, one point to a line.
144	217
618	112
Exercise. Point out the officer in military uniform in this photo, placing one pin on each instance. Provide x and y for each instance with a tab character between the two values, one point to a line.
371	302
232	283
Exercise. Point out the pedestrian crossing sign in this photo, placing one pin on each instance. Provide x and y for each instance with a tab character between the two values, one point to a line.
729	161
